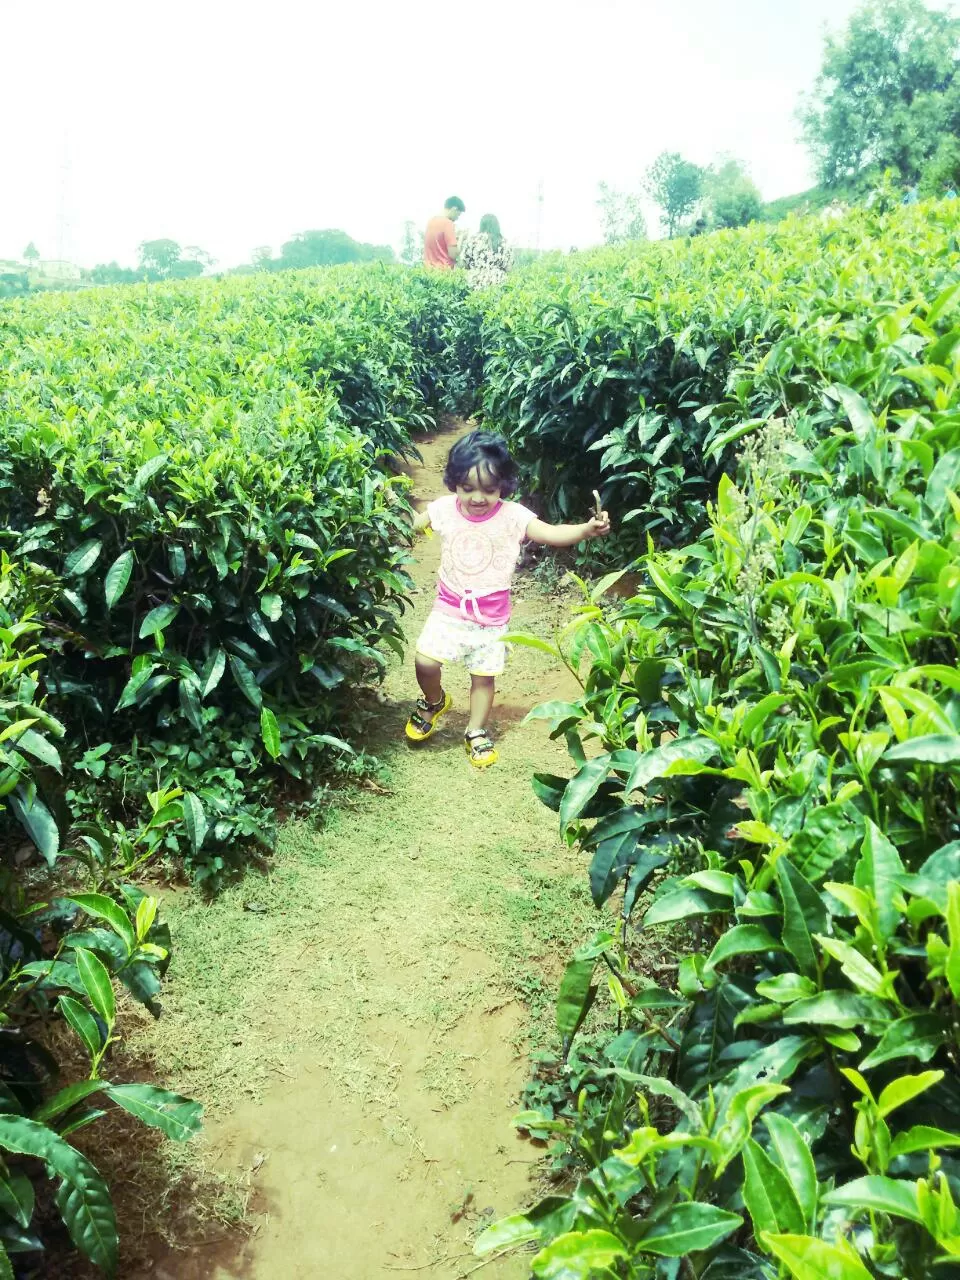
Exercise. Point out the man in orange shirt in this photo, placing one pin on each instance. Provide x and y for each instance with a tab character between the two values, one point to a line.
440	239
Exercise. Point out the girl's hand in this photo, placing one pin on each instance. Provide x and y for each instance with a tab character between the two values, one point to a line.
598	526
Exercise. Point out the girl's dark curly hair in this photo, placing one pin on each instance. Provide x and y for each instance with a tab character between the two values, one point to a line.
486	451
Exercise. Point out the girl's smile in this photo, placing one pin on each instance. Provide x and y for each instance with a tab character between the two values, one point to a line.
478	494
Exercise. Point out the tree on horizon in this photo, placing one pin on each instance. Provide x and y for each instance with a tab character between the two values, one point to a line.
621	216
887	96
675	185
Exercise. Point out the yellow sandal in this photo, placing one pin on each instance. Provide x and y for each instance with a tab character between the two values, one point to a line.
480	748
426	716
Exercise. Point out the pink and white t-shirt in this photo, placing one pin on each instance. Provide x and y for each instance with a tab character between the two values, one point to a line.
477	559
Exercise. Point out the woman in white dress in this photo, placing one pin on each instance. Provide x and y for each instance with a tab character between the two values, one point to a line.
486	256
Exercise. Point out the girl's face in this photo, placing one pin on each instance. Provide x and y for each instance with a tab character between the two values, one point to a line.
478	493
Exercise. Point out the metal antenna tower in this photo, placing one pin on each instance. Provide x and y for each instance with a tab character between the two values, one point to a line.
539	227
63	225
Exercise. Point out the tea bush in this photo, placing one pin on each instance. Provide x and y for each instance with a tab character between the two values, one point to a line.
777	711
59	960
620	370
196	485
195	470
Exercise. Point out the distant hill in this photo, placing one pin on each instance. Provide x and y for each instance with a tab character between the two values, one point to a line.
808	201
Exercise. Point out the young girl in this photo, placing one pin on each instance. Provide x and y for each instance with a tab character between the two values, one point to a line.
480	532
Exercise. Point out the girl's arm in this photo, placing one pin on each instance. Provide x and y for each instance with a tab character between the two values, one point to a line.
420	521
568	535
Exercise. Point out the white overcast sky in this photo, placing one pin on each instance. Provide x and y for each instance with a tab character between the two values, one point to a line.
231	125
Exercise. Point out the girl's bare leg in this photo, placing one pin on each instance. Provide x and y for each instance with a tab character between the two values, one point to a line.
428	678
482	689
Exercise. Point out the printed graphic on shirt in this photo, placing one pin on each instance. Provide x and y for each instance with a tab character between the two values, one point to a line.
485	265
479	556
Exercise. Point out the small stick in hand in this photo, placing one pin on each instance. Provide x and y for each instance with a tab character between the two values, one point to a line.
598	509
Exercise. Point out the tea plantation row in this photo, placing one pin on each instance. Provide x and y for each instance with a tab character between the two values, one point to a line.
195	507
621	369
777	712
199	553
190	486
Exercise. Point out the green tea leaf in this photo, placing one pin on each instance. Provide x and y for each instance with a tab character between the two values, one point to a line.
878	1195
918	1035
271	606
743	939
793	1153
153	466
97	984
158	619
54	973
38	746
653	764
576	996
270	732
118	578
83	1023
195	820
681	904
532	642
942	302
951	966
844	1009
662	1088
554	711
190	704
786	987
855	966
687	1228
807	1258
69	1097
553	1216
245	681
218	560
83	1199
903	1090
857	410
803	915
828	834
664	585
549	789
80	561
177	558
758	715
38	821
578	1255
930	748
877	870
768	1194
98	904
944	478
508	1233
178	1117
133	686
146	915
582	787
17	1199
212	672
922	1137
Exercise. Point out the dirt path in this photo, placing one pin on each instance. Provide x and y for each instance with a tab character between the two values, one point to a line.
361	1039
